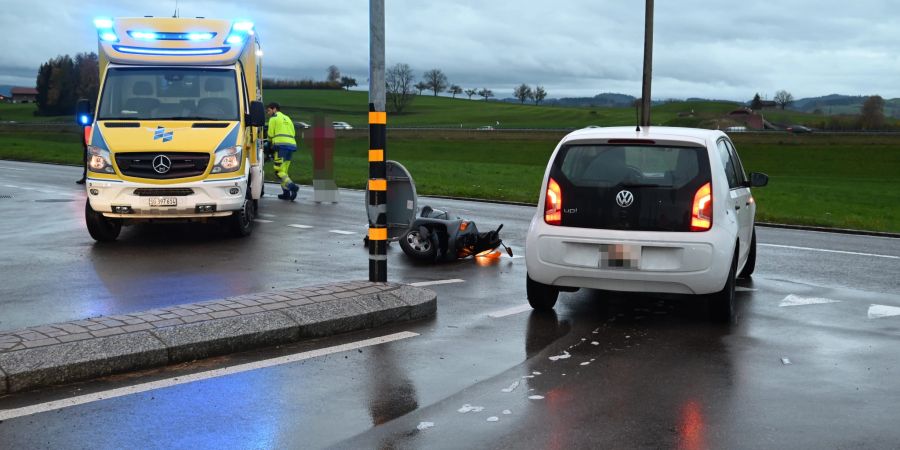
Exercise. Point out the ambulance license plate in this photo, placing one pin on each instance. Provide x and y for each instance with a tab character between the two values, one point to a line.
163	201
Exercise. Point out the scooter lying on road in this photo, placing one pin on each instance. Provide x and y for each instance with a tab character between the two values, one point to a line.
435	236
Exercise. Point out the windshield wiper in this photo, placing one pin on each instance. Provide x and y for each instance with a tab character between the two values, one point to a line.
640	185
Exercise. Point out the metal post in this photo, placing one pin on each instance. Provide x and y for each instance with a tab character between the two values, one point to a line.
377	145
648	64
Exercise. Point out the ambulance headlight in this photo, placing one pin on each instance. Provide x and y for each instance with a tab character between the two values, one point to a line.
228	160
99	161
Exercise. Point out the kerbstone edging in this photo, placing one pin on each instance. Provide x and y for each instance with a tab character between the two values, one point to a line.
79	350
62	363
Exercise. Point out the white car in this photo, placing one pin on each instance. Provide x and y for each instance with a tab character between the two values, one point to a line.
665	210
341	126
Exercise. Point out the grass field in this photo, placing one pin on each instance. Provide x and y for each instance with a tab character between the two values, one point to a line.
834	180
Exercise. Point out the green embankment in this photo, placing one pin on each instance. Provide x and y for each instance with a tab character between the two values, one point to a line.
834	180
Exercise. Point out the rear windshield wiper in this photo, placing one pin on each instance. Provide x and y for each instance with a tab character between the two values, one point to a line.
640	185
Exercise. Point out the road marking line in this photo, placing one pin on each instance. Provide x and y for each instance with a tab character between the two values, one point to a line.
744	289
262	220
831	251
796	300
302	227
267	215
436	282
11	186
184	379
10	168
880	311
341	232
510	311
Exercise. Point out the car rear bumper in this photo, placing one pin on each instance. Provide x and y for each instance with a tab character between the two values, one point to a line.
227	196
634	261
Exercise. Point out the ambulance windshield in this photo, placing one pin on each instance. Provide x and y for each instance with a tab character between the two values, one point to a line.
169	93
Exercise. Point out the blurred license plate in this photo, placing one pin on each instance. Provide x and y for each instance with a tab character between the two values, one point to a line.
163	201
620	256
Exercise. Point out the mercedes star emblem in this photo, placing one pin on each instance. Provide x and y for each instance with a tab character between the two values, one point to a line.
624	199
162	164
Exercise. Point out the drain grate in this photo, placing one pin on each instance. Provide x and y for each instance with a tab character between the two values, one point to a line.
5	196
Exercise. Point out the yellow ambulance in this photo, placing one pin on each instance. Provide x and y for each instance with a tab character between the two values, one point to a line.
176	132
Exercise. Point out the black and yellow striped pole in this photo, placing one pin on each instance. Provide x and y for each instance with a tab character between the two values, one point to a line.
378	232
377	195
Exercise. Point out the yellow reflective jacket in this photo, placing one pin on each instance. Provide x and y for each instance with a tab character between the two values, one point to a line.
281	130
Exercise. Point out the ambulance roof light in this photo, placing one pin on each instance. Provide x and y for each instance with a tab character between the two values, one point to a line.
103	23
243	25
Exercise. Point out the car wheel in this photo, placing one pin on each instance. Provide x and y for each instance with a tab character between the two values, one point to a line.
750	265
417	246
101	228
721	304
240	223
541	297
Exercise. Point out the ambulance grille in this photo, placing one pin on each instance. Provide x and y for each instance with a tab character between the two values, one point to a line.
183	165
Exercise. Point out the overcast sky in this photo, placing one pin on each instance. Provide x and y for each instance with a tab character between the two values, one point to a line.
713	49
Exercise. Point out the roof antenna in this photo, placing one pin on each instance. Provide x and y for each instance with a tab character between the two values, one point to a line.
176	10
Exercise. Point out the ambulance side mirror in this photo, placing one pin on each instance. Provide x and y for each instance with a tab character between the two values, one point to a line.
83	113
257	116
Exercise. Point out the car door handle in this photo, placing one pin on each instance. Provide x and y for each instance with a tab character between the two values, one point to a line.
737	207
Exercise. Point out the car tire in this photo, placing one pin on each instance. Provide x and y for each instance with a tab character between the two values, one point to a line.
750	265
417	246
240	223
101	228
541	297
721	304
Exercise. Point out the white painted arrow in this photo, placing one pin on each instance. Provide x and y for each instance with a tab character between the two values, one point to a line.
796	300
879	311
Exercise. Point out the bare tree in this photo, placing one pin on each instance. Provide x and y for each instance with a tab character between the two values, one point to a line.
471	92
872	113
399	80
486	93
334	74
783	98
523	92
539	94
421	86
454	89
347	82
436	80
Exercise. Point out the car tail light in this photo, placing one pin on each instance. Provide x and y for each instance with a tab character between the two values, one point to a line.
553	203
701	212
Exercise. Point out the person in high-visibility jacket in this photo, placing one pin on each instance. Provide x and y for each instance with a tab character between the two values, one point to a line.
282	138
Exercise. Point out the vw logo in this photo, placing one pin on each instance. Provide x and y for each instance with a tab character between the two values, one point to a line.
624	199
162	164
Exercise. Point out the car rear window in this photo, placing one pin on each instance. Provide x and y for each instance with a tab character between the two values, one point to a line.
662	180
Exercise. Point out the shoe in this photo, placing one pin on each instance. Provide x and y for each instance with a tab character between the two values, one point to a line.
294	188
81	181
284	196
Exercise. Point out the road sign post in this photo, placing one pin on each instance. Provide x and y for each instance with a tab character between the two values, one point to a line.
377	145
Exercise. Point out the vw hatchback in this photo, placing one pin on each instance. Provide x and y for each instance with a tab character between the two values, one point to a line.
666	210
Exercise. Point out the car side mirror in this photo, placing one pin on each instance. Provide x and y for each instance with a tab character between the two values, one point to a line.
83	113
758	179
257	116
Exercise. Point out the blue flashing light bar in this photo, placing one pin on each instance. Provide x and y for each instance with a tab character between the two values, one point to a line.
103	23
243	25
144	35
171	52
235	39
200	36
84	119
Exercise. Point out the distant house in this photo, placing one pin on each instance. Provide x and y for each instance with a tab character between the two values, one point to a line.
763	104
23	95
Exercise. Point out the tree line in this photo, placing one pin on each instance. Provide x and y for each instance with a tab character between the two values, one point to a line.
63	80
401	87
871	115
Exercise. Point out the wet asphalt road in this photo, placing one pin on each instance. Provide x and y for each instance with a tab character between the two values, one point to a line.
643	371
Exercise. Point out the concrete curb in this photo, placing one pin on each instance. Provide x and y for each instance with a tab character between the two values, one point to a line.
63	353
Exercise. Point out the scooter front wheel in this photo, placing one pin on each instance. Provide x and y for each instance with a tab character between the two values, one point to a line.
418	246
